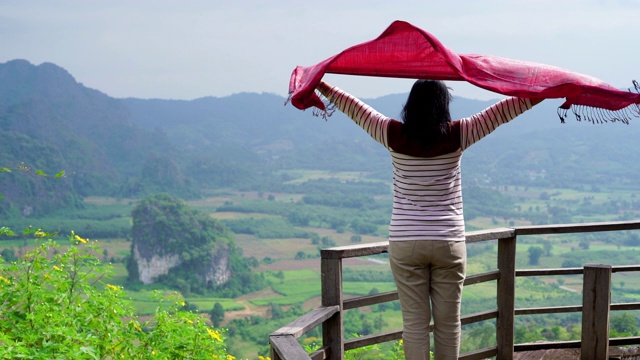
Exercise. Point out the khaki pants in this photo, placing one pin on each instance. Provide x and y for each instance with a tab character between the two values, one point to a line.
429	270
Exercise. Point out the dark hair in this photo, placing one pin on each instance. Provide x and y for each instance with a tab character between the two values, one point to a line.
427	109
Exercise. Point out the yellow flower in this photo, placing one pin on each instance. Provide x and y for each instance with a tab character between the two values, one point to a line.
153	352
113	287
182	303
189	321
56	268
40	233
9	282
77	237
231	357
135	326
214	335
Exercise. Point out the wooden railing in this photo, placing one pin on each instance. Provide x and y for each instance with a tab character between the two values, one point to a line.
595	308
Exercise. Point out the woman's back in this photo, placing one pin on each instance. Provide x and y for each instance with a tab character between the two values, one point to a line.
427	198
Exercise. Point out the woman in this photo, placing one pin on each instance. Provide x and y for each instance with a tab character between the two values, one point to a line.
427	251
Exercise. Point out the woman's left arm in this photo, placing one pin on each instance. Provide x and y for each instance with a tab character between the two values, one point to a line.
476	127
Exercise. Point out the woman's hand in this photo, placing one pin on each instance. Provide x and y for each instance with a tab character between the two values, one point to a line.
535	101
324	88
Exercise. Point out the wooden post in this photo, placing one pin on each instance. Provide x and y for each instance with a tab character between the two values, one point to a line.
506	297
274	354
596	299
332	330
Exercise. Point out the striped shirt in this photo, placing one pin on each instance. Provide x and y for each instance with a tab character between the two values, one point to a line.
427	190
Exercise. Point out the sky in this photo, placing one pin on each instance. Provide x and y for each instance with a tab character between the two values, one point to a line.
188	49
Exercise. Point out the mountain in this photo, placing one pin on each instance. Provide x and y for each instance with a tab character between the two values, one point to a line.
200	260
534	149
135	147
50	122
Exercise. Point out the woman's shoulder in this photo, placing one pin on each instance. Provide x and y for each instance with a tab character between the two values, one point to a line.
402	141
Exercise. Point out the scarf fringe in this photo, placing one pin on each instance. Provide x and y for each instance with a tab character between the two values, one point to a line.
599	116
329	108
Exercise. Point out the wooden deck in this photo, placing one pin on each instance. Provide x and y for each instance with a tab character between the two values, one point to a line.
630	353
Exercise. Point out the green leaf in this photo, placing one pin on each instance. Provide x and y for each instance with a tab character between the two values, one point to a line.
6	231
39	233
4	169
29	230
60	174
89	351
1	196
40	172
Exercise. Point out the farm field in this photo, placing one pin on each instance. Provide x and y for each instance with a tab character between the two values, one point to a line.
292	264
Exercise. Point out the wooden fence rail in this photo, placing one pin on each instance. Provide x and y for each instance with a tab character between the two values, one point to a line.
595	308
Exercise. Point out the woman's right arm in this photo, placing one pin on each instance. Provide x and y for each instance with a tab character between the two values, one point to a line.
362	114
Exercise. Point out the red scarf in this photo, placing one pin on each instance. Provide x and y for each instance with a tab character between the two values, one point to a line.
405	51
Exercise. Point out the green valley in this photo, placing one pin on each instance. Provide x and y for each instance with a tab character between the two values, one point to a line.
280	184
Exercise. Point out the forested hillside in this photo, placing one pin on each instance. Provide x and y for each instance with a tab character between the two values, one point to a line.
50	122
283	184
136	147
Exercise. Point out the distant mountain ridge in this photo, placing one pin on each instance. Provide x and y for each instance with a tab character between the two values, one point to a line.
131	147
51	122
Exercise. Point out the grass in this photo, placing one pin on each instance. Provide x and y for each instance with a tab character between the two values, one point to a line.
205	304
486	290
244	349
302	176
531	198
302	278
364	288
297	287
143	301
119	275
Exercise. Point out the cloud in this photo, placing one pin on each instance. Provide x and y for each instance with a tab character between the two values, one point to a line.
189	49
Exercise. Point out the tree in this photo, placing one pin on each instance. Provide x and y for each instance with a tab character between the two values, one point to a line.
534	255
58	306
9	255
584	244
548	247
361	227
356	238
379	322
571	263
217	314
164	226
276	311
624	323
327	241
483	336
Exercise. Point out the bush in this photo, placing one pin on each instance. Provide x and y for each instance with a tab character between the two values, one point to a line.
55	303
